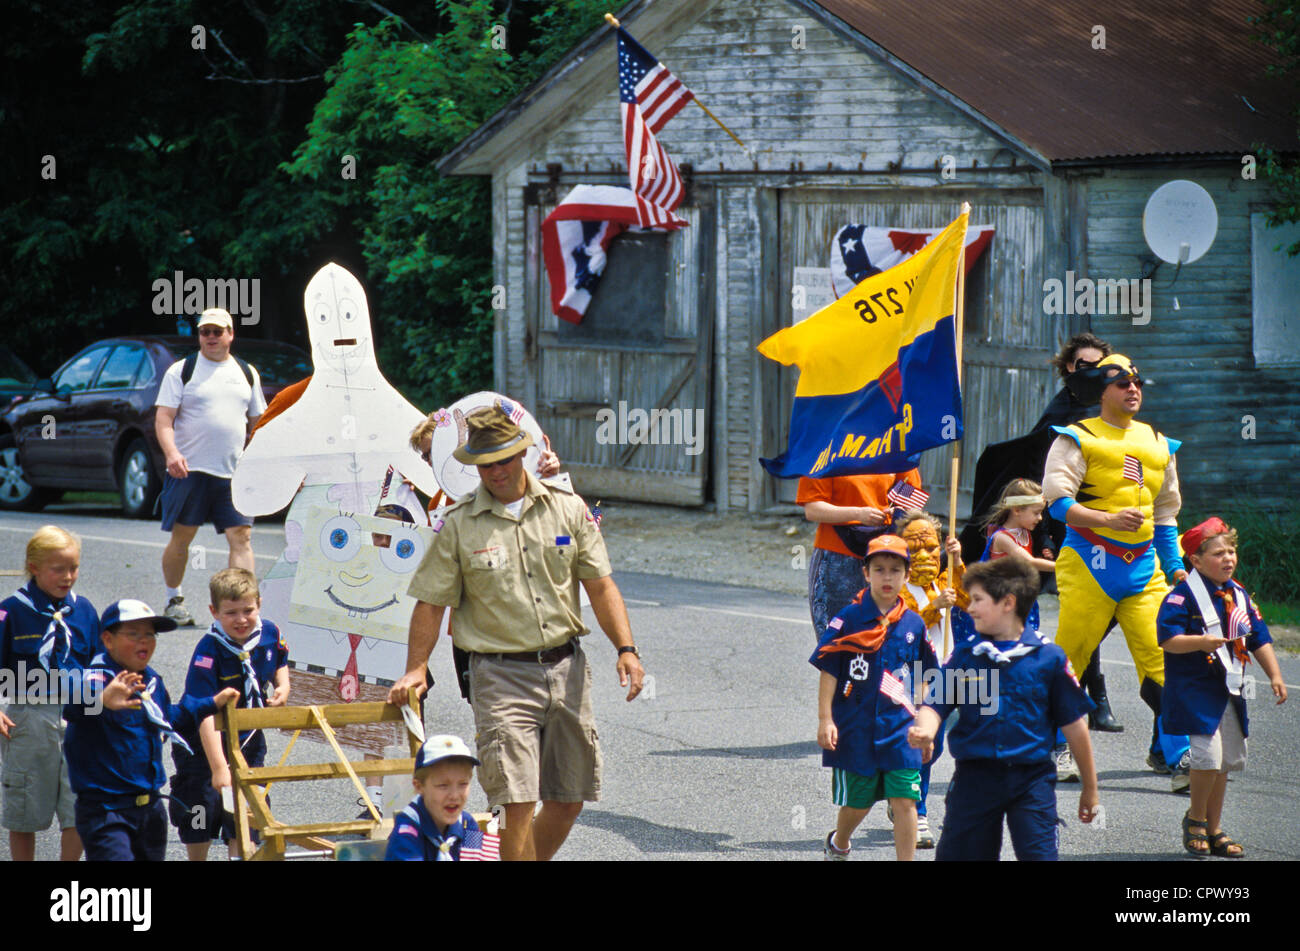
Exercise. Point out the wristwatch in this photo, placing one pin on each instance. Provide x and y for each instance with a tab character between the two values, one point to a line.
629	649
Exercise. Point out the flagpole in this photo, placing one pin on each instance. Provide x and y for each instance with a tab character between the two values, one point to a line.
955	472
613	21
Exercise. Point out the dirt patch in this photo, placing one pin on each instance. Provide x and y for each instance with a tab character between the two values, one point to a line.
756	551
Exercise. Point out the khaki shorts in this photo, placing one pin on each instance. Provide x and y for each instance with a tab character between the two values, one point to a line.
1224	751
535	730
34	774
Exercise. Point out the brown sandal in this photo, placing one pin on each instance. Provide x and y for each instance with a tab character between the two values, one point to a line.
1189	837
1221	845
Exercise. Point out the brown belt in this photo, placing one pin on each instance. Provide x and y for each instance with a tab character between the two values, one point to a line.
549	656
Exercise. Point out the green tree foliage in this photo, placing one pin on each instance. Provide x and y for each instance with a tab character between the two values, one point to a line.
396	102
226	161
1280	28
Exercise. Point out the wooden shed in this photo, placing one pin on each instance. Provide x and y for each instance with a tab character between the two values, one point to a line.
1055	124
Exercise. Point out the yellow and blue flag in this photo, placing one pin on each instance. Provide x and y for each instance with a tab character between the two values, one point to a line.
878	381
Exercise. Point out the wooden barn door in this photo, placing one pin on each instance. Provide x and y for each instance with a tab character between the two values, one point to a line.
645	344
1006	380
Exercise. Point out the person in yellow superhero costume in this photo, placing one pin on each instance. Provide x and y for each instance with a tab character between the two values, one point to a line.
1113	481
929	592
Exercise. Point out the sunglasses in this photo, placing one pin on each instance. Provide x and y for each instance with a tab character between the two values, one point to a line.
211	331
1126	384
500	462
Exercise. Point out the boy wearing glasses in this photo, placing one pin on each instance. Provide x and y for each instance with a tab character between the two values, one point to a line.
1112	480
202	422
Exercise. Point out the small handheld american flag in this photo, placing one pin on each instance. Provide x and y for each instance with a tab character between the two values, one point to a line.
1133	469
905	496
480	846
893	688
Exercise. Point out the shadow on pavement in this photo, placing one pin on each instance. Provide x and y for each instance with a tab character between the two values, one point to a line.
786	751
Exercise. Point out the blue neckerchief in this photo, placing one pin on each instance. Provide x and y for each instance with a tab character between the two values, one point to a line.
153	713
252	689
443	843
57	636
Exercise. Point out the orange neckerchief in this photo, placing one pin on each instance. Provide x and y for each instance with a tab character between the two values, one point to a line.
1238	643
866	641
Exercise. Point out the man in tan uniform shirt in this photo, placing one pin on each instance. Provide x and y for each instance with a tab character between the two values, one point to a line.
508	560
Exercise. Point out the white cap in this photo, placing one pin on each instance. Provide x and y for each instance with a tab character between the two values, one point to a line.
218	317
443	747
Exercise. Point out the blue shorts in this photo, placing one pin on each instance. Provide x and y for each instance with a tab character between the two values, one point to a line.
132	834
195	808
981	793
199	498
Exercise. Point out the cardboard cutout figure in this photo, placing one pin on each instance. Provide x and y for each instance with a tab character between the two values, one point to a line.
329	453
349	425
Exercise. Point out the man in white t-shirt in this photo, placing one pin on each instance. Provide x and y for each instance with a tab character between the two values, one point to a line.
202	426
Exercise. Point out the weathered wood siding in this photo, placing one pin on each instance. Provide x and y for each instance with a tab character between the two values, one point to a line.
1206	388
824	116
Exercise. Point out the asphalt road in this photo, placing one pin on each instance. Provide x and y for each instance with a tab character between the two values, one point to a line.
718	759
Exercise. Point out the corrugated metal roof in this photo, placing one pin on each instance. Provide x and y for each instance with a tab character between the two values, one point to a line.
1175	77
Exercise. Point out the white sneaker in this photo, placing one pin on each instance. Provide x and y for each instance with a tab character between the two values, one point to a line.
1066	771
176	611
1181	780
832	854
923	838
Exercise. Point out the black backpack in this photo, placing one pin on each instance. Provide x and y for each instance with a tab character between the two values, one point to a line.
192	360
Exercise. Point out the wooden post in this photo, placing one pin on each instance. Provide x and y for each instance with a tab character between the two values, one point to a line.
955	472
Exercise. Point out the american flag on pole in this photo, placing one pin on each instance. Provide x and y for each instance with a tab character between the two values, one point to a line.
480	846
576	236
1133	469
893	688
649	95
907	496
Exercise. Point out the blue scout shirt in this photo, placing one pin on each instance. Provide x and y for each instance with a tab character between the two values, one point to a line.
113	753
415	836
22	629
214	668
1031	696
872	727
1196	689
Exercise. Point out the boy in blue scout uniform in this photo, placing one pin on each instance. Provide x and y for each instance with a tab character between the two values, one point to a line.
433	825
1204	676
1003	745
44	626
866	659
244	651
115	737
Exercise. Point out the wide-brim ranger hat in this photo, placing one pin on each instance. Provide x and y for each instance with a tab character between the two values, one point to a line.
129	609
889	545
491	437
441	747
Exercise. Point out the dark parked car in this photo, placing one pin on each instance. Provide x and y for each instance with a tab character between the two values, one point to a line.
91	426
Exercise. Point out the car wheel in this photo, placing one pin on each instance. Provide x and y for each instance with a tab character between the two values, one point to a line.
138	484
16	493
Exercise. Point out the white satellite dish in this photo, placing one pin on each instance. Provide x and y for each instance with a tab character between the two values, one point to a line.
1180	221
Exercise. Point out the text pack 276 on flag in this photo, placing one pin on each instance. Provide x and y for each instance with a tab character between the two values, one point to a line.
878	378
